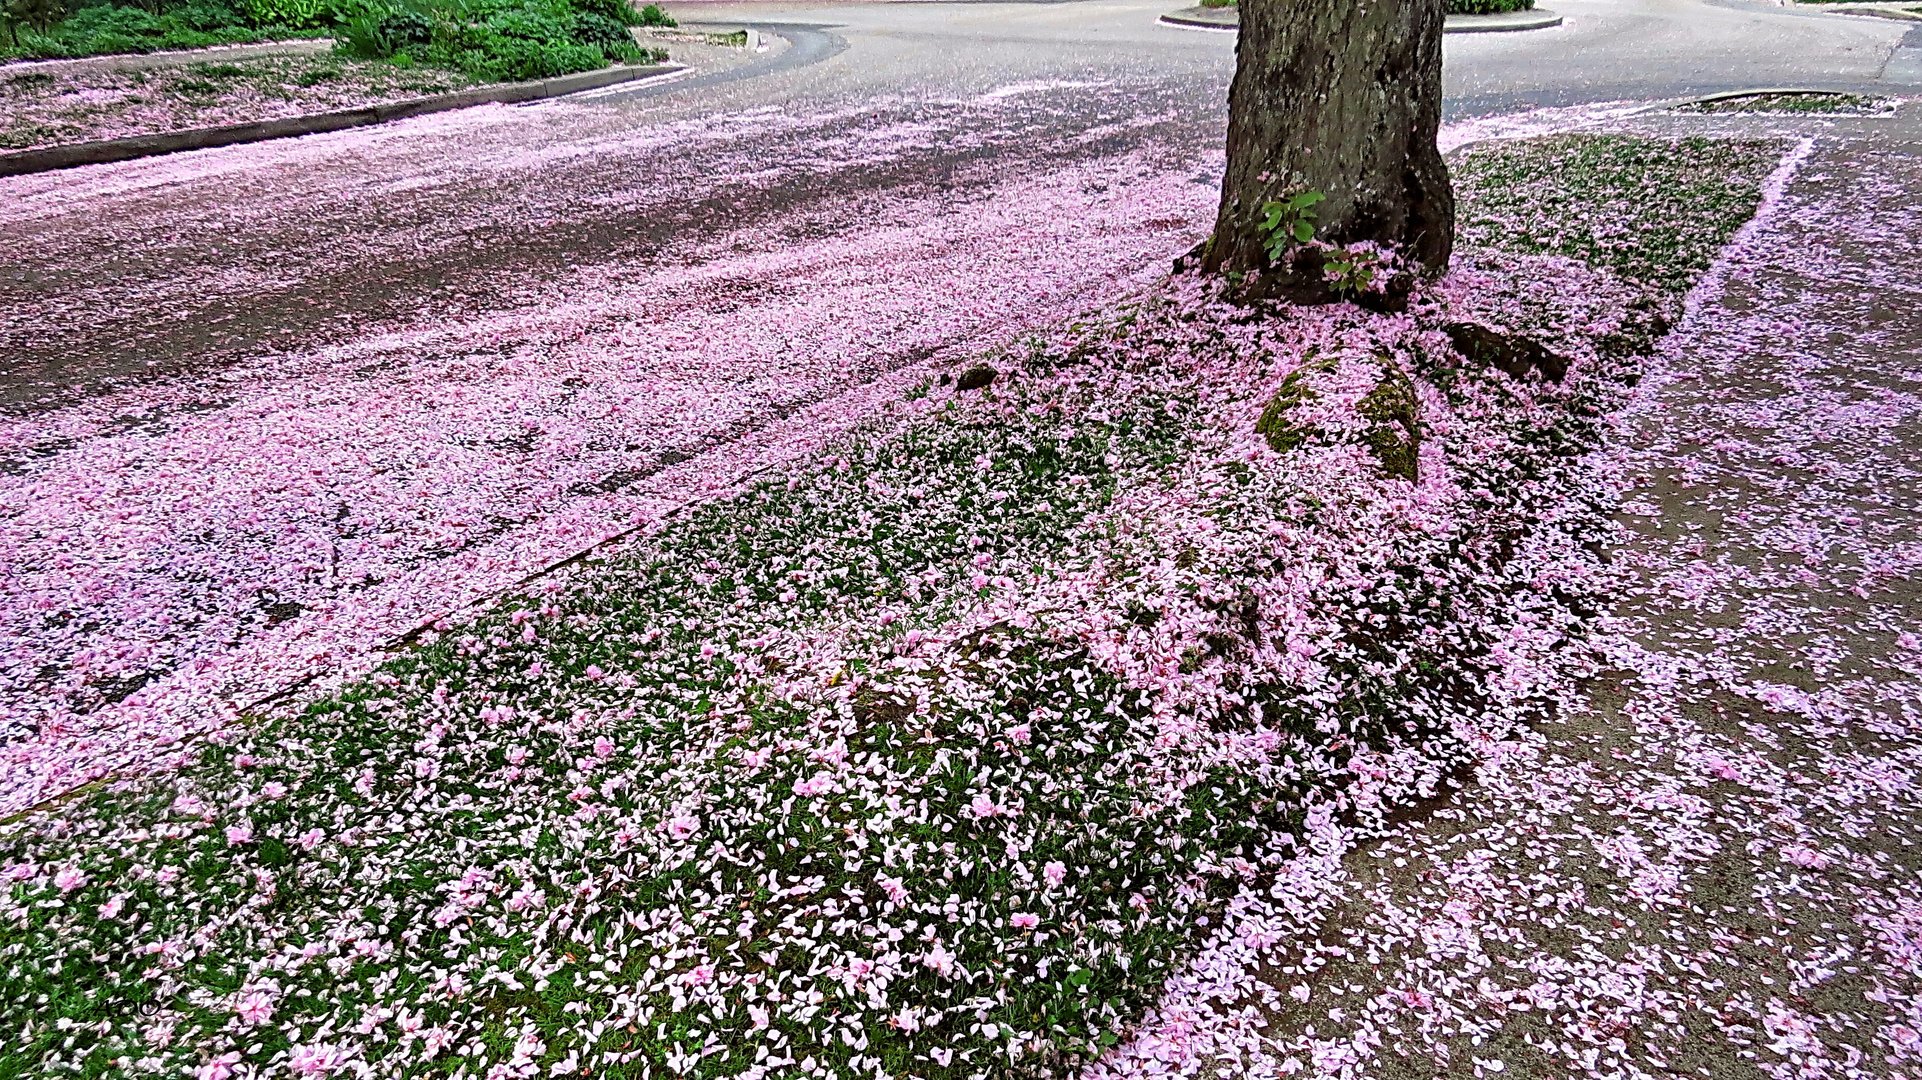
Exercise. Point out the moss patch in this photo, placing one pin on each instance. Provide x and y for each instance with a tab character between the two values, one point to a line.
1393	412
1394	428
1277	423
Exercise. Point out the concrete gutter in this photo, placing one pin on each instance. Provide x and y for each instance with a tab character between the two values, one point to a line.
1205	18
21	162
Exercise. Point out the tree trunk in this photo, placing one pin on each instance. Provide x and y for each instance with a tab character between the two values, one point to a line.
1340	98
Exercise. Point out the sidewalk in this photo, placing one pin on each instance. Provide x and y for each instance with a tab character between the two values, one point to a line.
1712	866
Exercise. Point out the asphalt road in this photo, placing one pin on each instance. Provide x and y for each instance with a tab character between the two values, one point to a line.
165	268
263	407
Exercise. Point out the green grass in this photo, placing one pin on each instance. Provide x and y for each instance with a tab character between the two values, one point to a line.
1614	201
1790	103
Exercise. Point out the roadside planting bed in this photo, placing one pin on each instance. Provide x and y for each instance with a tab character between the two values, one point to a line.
935	757
383	54
55	107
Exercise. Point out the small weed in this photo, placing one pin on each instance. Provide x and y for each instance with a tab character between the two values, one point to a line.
199	88
1289	222
218	71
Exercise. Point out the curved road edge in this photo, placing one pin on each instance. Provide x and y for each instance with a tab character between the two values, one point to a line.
804	45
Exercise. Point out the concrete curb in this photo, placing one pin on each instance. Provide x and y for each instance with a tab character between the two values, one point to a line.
1203	18
1896	10
72	155
1897	14
1505	23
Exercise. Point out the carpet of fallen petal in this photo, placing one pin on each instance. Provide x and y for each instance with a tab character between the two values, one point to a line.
1710	862
172	551
1111	717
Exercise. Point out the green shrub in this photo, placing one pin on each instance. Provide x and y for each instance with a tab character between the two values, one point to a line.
499	40
363	38
43	29
297	14
619	11
205	16
653	15
406	29
593	28
512	59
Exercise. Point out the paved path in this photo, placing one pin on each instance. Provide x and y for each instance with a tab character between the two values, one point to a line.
261	407
1712	866
195	264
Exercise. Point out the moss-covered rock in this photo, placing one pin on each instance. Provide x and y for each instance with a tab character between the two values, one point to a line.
1278	423
1392	411
1516	354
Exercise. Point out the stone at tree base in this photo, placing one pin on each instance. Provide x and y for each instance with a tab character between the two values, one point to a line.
1394	429
1516	354
975	378
1276	423
1392	409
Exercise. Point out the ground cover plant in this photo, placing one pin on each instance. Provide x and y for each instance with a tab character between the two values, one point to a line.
1582	201
933	757
503	40
44	108
1793	103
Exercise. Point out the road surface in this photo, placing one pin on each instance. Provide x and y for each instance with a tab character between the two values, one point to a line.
265	406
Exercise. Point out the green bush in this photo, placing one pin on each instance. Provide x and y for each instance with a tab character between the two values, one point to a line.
299	14
122	21
500	40
487	39
206	15
406	29
593	28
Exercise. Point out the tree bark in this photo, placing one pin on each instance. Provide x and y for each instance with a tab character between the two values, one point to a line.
1340	97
